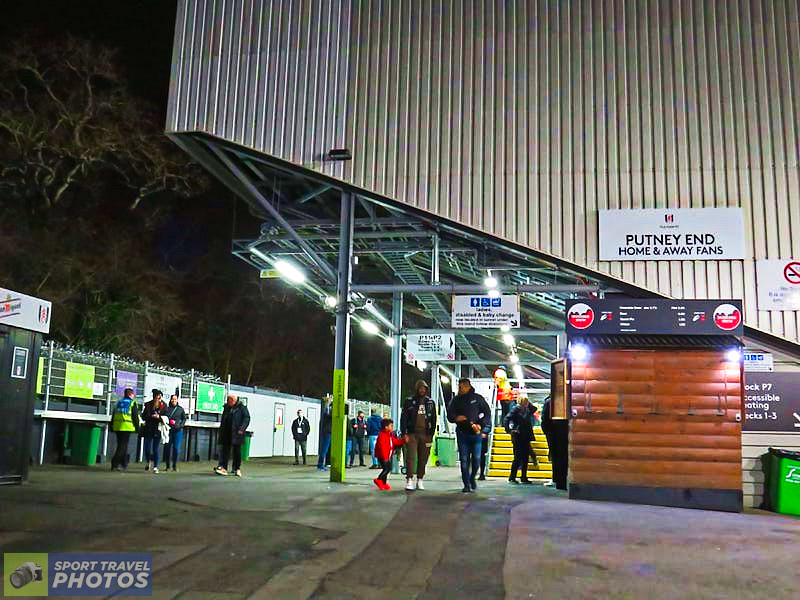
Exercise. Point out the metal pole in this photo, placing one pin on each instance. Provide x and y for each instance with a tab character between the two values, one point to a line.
435	260
449	288
191	395
342	355
108	404
396	366
140	441
46	402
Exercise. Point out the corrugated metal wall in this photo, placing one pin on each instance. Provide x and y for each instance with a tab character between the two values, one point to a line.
522	118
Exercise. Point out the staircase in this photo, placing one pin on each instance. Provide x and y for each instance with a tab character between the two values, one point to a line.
503	454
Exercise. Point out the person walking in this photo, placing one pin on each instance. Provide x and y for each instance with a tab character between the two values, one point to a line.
417	424
373	429
519	423
300	430
176	420
358	429
470	412
151	419
232	427
124	421
325	428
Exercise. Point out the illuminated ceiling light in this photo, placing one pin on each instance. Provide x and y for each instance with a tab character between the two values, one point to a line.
422	365
330	302
493	293
733	355
389	341
518	371
445	379
505	328
490	282
508	339
514	358
290	272
369	327
578	352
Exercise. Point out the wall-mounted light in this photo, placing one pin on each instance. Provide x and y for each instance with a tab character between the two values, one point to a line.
340	154
578	352
734	355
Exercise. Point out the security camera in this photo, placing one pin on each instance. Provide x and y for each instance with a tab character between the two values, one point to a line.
369	302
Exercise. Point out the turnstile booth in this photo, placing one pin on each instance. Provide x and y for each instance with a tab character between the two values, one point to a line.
23	320
655	399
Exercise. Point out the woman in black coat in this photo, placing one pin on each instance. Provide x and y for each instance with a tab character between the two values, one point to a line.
519	423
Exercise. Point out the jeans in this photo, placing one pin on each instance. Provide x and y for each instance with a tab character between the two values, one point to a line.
469	452
359	444
152	446
225	452
173	449
372	440
120	458
324	446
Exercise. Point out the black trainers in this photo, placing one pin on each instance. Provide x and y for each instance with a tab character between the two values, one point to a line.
473	484
466	490
512	480
482	477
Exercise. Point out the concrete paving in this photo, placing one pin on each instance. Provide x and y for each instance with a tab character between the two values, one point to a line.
286	532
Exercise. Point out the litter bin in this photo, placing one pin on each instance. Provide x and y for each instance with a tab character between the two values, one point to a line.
446	449
248	436
84	439
781	481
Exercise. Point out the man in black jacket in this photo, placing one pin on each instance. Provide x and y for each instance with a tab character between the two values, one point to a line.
417	425
232	427
300	430
471	414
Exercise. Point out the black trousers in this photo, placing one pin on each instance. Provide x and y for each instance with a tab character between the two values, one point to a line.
300	446
120	458
521	453
484	450
363	448
225	452
386	468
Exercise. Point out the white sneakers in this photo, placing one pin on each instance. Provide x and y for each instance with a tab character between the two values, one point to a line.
220	470
238	473
155	470
410	486
419	485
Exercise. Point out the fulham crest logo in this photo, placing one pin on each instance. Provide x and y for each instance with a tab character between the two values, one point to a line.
580	316
727	317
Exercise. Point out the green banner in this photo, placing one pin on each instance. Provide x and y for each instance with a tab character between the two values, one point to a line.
210	397
79	381
40	376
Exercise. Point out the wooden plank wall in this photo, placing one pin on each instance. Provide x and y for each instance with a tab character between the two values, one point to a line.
662	418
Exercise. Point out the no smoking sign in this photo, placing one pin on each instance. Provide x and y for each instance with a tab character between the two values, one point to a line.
792	272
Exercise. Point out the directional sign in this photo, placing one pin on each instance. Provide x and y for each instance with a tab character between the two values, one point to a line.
486	312
431	346
762	362
778	284
772	402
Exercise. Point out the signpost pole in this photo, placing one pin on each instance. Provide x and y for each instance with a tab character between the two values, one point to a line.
342	352
109	396
46	401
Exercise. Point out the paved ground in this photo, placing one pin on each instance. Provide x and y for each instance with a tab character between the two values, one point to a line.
286	532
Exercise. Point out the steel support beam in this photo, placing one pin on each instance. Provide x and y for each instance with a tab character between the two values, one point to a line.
342	352
445	288
326	269
395	383
487	332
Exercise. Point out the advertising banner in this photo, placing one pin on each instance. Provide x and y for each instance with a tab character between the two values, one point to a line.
772	402
79	381
485	312
431	346
127	379
210	397
672	234
778	284
26	312
655	316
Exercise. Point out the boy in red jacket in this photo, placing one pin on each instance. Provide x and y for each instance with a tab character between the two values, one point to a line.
384	448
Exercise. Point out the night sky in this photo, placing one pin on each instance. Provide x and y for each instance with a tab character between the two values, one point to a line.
141	31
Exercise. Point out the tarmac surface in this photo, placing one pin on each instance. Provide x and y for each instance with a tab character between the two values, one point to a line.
286	532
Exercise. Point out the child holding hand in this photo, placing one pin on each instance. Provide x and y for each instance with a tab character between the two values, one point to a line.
384	449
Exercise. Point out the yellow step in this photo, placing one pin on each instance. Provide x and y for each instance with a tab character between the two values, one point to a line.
508	444
507	458
507	466
510	452
531	474
501	430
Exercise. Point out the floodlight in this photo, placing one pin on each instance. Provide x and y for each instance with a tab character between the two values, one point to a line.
290	272
508	339
490	282
331	302
389	341
369	327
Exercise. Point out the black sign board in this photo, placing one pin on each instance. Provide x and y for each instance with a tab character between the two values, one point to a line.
655	317
772	402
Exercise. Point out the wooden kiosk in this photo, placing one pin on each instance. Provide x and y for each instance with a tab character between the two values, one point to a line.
655	395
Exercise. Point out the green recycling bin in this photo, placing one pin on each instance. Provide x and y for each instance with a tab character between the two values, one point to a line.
248	436
446	449
782	481
84	439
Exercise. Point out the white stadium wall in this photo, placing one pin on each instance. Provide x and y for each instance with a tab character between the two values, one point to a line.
522	119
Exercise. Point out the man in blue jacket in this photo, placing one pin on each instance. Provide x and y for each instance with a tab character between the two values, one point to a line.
373	429
471	414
